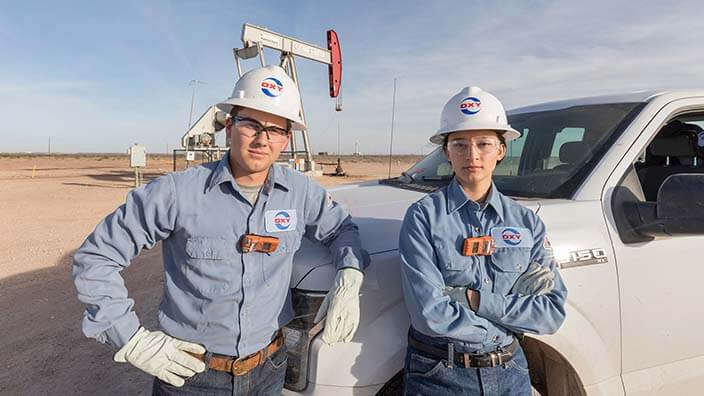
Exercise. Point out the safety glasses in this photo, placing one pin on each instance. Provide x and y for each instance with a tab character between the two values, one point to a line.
482	145
252	128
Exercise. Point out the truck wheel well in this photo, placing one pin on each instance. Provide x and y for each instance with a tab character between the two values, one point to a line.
550	373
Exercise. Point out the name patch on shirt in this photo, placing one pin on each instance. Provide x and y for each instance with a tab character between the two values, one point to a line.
511	237
280	220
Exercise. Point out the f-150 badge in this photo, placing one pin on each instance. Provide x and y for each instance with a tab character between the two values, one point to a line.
579	258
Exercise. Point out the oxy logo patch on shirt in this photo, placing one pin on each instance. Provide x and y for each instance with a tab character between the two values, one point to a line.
511	237
280	220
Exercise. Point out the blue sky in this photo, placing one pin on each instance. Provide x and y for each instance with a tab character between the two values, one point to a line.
98	76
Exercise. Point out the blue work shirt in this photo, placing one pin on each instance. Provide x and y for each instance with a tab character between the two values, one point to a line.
431	240
230	302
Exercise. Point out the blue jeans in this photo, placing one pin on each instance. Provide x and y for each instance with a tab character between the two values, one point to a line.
266	379
426	375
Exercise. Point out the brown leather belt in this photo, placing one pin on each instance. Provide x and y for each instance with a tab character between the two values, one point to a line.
241	366
491	359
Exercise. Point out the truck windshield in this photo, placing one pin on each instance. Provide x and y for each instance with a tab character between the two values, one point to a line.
557	150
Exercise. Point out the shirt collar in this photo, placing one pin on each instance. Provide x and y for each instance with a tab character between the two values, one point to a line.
277	177
456	198
223	174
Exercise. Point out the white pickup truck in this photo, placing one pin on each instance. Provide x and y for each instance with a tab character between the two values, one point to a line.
619	182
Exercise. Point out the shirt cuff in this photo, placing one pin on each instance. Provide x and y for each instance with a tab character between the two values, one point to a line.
491	305
122	331
349	257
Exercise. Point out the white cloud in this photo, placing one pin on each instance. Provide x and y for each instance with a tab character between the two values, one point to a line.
527	54
522	51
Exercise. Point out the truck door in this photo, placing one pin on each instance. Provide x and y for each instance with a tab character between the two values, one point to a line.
661	281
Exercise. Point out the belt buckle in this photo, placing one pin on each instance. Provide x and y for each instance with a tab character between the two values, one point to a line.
238	371
496	358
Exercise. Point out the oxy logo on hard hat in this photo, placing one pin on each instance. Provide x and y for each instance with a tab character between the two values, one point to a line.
272	87
282	220
470	105
511	236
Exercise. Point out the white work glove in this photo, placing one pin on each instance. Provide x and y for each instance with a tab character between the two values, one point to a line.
341	305
162	356
536	281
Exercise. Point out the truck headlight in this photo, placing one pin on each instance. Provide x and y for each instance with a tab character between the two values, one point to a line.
299	334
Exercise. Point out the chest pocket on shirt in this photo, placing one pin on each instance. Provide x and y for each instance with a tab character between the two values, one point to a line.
508	265
288	243
276	264
210	266
456	269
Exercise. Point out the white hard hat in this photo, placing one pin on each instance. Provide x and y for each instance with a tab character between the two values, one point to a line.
268	89
474	109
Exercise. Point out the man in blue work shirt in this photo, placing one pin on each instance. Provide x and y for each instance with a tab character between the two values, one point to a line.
229	232
476	267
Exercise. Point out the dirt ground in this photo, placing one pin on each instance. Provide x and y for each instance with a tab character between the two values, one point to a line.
48	205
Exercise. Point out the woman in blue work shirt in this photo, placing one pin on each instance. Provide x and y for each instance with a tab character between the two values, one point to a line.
476	267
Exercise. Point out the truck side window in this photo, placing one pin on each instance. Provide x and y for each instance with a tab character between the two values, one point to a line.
514	150
678	147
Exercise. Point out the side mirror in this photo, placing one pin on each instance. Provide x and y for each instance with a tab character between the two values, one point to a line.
679	209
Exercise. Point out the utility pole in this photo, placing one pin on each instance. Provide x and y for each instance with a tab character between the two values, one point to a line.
393	113
194	83
338	138
49	145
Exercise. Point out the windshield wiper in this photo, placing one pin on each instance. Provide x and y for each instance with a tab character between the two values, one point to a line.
409	176
437	178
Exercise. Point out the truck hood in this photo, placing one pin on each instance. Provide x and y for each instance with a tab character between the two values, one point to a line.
378	211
